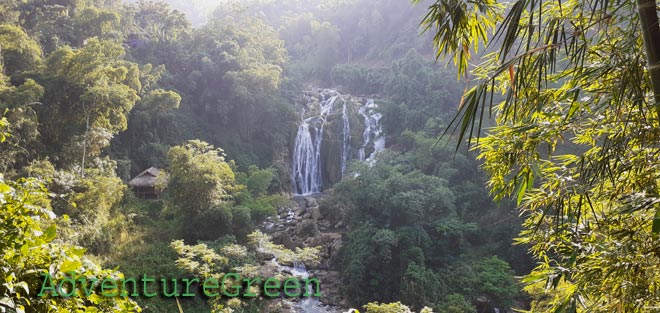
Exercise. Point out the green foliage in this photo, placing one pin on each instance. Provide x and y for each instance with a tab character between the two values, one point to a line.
4	129
232	61
395	307
19	52
410	238
262	244
157	22
90	92
210	200
18	104
151	128
90	202
416	89
461	27
200	183
257	180
95	22
456	303
364	260
420	286
263	207
496	281
160	101
30	249
199	176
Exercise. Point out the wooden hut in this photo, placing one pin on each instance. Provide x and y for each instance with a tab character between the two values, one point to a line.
144	184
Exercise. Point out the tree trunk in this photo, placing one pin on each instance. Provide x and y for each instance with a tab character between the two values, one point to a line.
648	19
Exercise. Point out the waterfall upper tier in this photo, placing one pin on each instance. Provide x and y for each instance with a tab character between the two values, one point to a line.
333	130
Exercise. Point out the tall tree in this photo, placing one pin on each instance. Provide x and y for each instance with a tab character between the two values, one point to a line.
576	136
89	91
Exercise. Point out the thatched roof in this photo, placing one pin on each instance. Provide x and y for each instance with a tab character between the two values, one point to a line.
145	179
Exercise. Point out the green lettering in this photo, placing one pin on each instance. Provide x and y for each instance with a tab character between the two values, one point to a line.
83	282
175	293
50	287
291	284
188	283
206	287
248	292
145	291
272	283
72	292
317	290
111	286
224	286
123	287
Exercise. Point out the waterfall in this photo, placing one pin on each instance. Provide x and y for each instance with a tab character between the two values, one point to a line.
304	171
372	131
346	139
306	167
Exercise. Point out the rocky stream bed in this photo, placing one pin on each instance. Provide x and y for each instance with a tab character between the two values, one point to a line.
301	224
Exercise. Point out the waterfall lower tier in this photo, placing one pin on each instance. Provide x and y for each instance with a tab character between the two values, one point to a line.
306	173
334	129
372	131
306	169
346	140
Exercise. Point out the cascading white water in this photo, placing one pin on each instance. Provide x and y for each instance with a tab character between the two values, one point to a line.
309	304
306	167
304	162
346	139
372	131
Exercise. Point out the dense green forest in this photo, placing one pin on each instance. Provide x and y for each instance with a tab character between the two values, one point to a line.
321	139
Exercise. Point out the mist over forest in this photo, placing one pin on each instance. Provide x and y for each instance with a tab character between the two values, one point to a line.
372	146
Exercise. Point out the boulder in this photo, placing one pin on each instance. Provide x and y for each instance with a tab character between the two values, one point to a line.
330	288
311	202
281	238
324	223
330	244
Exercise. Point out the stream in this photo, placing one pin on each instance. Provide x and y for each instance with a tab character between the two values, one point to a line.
307	304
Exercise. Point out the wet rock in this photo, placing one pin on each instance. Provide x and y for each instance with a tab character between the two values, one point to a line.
311	202
307	229
330	288
268	269
324	223
278	306
281	238
330	244
315	212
